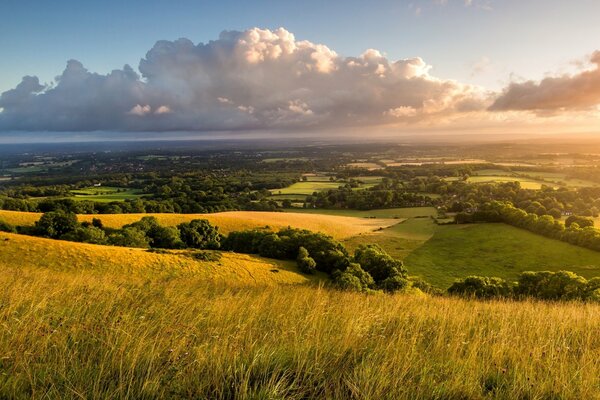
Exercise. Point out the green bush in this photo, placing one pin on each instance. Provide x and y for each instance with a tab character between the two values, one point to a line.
129	237
200	234
481	287
353	278
306	263
54	224
388	273
86	234
6	227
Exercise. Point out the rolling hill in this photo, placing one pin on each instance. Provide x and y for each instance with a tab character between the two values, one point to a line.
336	226
22	252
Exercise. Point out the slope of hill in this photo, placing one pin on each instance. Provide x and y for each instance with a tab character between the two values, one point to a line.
19	251
336	226
83	334
457	251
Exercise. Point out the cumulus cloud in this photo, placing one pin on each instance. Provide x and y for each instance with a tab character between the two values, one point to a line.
256	79
568	92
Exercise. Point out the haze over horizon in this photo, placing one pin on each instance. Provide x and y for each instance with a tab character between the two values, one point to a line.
425	67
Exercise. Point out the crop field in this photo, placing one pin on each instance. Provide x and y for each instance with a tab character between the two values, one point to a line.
84	333
336	226
106	194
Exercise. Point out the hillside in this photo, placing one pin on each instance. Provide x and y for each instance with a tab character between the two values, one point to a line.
80	333
336	226
22	252
456	251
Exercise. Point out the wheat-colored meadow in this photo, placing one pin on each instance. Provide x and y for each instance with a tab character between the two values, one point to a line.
337	226
123	333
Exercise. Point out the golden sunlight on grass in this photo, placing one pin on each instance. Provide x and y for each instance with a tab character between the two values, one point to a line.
97	334
336	226
20	251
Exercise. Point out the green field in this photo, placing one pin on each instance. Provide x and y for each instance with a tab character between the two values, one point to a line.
106	194
530	179
398	213
456	251
442	253
307	188
526	183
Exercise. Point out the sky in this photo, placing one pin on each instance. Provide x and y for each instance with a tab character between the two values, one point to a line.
385	66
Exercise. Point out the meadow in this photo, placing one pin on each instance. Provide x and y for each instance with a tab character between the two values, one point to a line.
437	253
336	226
104	334
106	194
20	252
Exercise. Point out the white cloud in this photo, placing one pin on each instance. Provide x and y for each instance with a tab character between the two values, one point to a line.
580	91
256	79
140	110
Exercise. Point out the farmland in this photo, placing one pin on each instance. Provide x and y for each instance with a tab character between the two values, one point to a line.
106	194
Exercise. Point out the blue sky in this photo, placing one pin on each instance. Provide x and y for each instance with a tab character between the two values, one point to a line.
460	60
527	38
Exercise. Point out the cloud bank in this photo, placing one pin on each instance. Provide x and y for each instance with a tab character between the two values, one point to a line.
256	79
569	92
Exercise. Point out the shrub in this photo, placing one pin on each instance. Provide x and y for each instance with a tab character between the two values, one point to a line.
207	256
353	278
306	263
86	234
244	241
6	227
54	224
200	234
165	237
481	287
129	237
547	285
378	263
581	221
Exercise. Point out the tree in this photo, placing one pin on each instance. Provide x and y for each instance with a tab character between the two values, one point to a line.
54	224
86	234
130	237
581	221
200	234
165	237
481	287
305	262
381	266
353	278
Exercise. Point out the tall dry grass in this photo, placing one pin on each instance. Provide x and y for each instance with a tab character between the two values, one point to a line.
95	334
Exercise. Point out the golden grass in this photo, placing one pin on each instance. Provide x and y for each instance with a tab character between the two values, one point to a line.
21	251
80	334
336	226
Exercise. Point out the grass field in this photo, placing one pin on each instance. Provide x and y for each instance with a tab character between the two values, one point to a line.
336	226
22	252
106	194
526	183
382	213
88	334
307	188
456	251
